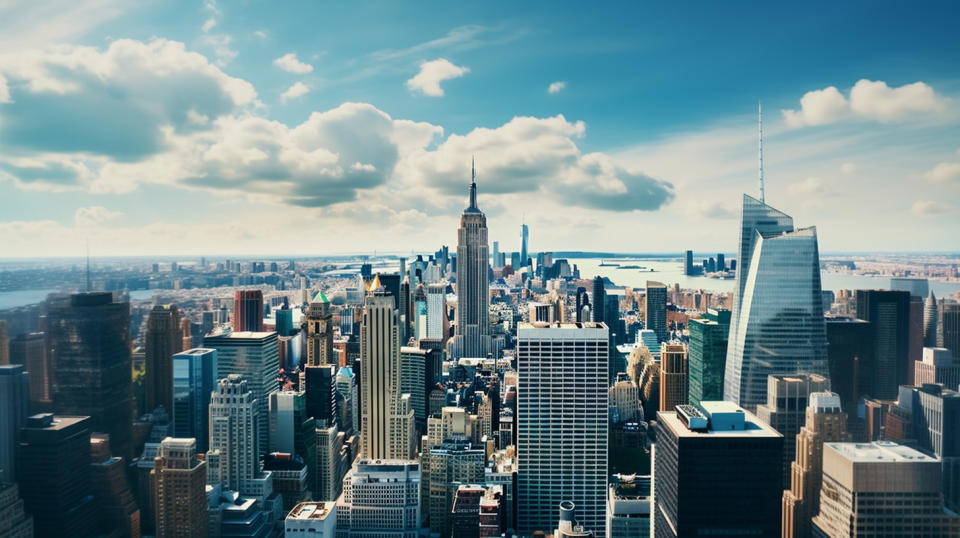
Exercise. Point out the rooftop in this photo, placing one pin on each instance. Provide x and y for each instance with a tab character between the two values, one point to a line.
311	510
558	325
727	416
879	451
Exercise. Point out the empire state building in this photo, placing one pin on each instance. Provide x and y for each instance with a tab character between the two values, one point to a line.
472	338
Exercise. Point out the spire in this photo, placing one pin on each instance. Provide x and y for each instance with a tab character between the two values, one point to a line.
760	138
473	185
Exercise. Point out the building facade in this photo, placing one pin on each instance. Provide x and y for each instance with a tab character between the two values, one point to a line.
164	338
179	490
194	379
707	353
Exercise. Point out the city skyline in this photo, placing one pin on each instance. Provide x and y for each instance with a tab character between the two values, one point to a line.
148	135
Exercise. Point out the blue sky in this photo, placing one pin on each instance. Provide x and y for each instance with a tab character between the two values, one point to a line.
331	127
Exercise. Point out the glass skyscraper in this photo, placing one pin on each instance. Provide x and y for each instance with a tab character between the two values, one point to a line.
194	378
777	325
707	352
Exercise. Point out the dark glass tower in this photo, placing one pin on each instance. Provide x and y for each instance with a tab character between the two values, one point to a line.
889	314
599	299
707	354
90	359
656	311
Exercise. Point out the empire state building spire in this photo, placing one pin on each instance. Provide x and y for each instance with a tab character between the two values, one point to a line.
473	187
472	338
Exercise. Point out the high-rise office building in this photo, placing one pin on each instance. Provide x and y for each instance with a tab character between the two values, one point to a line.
292	430
777	324
380	498
437	324
30	350
90	356
290	478
721	262
14	409
255	357
418	369
850	360
786	407
629	506
248	311
917	287
948	335
825	422
116	508
194	379
656	310
55	475
320	386
452	463
478	511
673	376
524	239
164	338
931	320
383	432
889	314
234	454
16	523
717	471
707	353
332	461
881	489
562	396
179	489
472	337
688	263
938	366
348	400
599	298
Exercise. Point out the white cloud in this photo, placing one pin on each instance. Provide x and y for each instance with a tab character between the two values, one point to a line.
298	89
818	107
848	168
289	63
432	73
929	208
94	215
869	100
556	87
944	173
209	24
221	44
262	34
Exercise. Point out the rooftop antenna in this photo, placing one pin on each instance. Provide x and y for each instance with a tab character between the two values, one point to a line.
473	183
760	138
88	265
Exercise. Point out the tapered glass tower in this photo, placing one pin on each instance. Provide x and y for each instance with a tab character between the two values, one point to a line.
777	326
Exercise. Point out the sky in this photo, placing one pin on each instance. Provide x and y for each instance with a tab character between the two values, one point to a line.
311	128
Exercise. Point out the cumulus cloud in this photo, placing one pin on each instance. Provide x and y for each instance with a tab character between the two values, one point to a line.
299	89
113	102
536	155
930	208
944	173
868	100
556	87
209	24
289	63
432	73
94	215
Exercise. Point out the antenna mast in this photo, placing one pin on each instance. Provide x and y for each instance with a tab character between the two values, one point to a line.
760	138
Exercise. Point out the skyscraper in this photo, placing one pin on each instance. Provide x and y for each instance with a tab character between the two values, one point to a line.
320	387
889	314
319	331
179	490
881	489
777	325
14	408
55	475
937	366
524	238
254	356
949	334
786	406
707	354
688	263
194	378
234	455
716	472
473	294
825	422
931	319
599	298
656	311
380	498
248	311
382	405
90	358
673	376
562	405
30	350
437	324
452	463
163	339
850	360
16	523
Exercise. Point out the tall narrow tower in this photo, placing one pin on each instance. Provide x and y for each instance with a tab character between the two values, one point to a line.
763	197
473	292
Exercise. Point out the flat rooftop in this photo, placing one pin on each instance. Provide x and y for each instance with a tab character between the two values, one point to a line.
878	451
311	510
561	326
753	426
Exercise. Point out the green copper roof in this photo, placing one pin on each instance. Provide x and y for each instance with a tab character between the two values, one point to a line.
319	298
